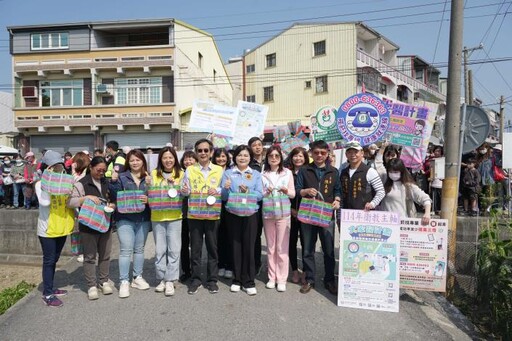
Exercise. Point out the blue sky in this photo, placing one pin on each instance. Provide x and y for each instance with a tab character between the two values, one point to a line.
419	27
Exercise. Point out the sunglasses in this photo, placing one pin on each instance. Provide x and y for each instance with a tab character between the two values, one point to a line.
320	152
274	156
203	150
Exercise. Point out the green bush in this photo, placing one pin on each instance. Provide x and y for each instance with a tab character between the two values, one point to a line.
494	260
9	296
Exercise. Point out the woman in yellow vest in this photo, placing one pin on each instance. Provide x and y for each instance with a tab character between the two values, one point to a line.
166	215
54	224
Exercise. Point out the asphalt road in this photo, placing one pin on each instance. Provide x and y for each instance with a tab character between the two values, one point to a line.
270	315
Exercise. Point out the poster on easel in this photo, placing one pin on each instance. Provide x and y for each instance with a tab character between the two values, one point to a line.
368	263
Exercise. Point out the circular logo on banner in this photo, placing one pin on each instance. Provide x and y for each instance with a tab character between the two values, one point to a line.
326	117
363	118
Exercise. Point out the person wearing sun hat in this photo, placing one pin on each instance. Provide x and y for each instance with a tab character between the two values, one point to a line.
54	224
361	186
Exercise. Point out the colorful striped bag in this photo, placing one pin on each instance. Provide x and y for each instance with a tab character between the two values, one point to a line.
315	212
276	206
57	183
128	201
76	244
242	204
93	216
159	199
198	208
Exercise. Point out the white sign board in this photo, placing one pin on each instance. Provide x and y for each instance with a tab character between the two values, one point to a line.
507	145
250	122
209	117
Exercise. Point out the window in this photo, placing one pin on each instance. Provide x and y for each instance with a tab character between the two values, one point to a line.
383	89
62	93
271	59
48	41
250	68
307	84
319	48
321	84
138	90
268	93
251	98
200	60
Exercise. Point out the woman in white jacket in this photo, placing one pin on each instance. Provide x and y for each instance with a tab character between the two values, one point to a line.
402	192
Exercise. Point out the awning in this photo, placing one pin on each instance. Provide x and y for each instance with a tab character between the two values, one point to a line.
8	150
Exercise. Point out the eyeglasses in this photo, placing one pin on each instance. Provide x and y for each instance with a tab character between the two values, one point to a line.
101	170
203	150
274	156
320	152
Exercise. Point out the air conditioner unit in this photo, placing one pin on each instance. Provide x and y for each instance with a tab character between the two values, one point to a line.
29	91
105	89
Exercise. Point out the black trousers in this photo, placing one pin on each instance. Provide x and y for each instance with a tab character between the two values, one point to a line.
185	247
204	230
243	230
224	242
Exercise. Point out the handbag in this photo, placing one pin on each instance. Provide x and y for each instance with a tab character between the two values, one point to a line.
198	208
242	204
76	244
128	201
159	199
57	183
8	180
276	206
315	212
93	216
498	173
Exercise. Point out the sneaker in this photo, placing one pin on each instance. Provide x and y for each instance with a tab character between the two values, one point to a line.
140	283
92	293
213	288
52	301
60	292
228	274
270	285
80	258
169	288
281	287
222	272
234	288
193	288
250	291
160	287
106	288
124	289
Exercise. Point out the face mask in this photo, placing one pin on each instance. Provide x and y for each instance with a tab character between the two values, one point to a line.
372	152
395	176
483	151
7	162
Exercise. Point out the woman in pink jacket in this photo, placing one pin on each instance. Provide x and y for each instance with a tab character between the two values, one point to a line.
278	189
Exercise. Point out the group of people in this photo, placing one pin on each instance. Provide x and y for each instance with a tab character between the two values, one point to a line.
226	199
17	178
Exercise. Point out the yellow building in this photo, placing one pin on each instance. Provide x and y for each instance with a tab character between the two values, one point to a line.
311	65
80	85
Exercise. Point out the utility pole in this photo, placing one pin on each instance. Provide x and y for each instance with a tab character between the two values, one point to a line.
468	97
502	119
470	87
452	139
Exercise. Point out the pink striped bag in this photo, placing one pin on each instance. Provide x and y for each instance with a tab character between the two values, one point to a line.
57	183
93	216
315	212
159	199
198	208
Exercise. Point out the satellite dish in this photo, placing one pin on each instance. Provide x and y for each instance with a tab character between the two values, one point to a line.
476	128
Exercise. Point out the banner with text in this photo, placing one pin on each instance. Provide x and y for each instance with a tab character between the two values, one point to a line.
250	122
323	125
210	117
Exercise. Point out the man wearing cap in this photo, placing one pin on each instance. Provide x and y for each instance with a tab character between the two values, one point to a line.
361	185
319	180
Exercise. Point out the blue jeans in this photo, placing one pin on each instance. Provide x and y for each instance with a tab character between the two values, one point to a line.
52	248
309	237
132	238
167	236
18	188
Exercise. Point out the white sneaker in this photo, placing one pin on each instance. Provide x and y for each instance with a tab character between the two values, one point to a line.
222	272
250	291
160	287
169	288
140	283
270	285
281	287
80	258
124	289
234	288
228	274
92	293
106	288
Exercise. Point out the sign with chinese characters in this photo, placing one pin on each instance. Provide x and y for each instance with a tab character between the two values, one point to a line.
210	117
368	266
250	121
323	125
423	254
363	118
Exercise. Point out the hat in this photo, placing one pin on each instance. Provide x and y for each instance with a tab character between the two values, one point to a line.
498	146
373	146
353	145
29	154
51	158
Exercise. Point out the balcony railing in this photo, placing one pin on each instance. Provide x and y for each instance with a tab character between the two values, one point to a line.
386	69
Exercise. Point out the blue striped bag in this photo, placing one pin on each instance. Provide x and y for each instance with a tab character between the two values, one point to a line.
198	208
242	204
128	201
57	183
316	212
159	199
276	206
93	216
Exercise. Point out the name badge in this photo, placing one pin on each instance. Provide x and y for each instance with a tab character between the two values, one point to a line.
244	201
278	204
172	192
